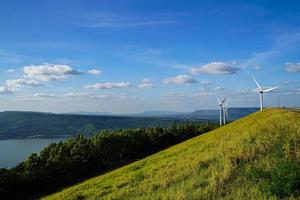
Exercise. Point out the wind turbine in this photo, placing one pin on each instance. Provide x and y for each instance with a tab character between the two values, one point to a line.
206	85
262	91
221	103
225	111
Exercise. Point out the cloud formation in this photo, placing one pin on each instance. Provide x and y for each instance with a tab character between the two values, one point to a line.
52	72
94	72
146	83
216	68
117	97
219	88
21	82
6	90
45	95
108	85
292	67
49	72
180	79
86	95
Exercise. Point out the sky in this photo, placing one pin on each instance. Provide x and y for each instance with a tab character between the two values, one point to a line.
129	56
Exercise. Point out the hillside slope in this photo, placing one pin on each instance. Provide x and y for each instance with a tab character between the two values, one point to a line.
257	157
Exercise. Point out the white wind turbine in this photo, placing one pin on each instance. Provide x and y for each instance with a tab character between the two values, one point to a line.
221	103
225	113
262	91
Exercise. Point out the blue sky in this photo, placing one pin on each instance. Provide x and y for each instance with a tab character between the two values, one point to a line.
132	55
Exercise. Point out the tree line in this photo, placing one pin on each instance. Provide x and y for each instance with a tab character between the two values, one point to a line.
65	163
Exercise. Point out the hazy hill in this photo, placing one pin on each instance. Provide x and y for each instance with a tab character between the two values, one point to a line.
159	113
47	125
90	113
212	115
257	157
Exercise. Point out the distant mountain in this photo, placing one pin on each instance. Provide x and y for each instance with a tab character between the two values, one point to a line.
210	115
48	125
90	113
158	113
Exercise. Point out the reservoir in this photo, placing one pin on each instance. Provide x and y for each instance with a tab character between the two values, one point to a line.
12	152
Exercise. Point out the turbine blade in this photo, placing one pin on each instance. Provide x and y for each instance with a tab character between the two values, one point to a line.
270	89
224	100
257	83
226	114
219	100
225	105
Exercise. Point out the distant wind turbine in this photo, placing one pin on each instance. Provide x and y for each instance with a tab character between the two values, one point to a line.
221	103
262	91
225	113
206	85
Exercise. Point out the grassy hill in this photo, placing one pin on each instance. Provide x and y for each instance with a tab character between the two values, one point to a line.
257	157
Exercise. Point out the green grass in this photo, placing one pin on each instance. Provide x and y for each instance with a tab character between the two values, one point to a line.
257	157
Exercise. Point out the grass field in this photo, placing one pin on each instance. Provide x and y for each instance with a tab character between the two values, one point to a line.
257	157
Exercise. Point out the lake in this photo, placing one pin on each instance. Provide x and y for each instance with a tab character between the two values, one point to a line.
12	152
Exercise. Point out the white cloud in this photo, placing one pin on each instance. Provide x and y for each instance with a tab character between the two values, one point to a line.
146	83
108	85
204	93
180	79
292	67
216	68
21	82
45	95
86	95
219	88
175	94
79	94
125	97
118	97
94	72
6	90
33	74
246	91
48	72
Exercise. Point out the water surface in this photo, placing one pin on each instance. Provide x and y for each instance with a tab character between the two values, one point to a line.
12	152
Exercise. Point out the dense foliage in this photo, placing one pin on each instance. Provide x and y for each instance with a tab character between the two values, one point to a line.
66	162
48	125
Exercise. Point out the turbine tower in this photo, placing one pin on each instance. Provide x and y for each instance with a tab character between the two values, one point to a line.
221	103
262	91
